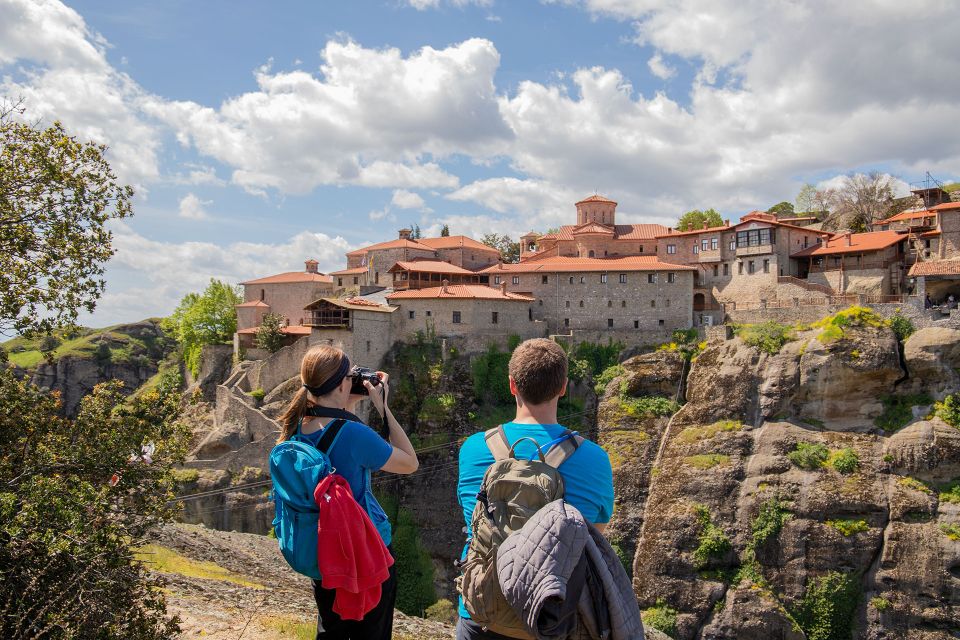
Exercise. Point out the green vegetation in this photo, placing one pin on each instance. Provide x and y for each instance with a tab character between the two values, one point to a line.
901	326
291	627
490	371
622	446
696	434
204	318
183	475
949	410
606	377
950	492
808	455
832	328
58	197
661	617
616	543
707	461
845	461
71	527
951	530
442	611
437	408
415	590
164	560
647	406
712	542
913	483
258	394
768	337
828	606
599	357
849	527
685	342
269	334
509	250
696	219
898	410
770	519
880	604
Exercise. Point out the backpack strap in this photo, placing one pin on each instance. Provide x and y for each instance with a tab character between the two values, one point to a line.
497	442
330	433
558	453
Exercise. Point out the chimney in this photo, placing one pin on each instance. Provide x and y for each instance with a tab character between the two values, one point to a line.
405	234
726	222
849	238
311	265
443	285
705	225
503	288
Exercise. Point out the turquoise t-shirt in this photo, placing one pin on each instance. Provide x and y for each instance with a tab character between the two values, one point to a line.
357	451
587	476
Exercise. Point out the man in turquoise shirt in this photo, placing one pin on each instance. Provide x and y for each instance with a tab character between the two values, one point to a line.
538	379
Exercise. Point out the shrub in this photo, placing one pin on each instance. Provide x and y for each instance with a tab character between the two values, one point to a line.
598	356
846	460
809	455
270	334
490	381
49	343
577	370
770	519
707	461
694	434
913	483
648	406
901	326
828	606
607	376
442	611
880	604
898	410
102	355
438	408
949	410
258	394
849	527
617	545
951	530
712	542
415	590
950	492
661	617
185	475
768	337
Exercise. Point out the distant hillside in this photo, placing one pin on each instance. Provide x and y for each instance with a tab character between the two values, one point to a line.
136	353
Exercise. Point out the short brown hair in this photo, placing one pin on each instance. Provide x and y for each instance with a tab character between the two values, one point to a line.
539	369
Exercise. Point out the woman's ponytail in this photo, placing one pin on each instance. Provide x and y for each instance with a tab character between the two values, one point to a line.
319	364
293	415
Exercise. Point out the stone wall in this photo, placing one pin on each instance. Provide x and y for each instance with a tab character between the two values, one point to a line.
811	313
286	299
278	367
476	317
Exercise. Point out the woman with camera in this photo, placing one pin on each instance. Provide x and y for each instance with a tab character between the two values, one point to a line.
330	392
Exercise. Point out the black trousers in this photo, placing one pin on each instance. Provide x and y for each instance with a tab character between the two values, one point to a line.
469	630
376	625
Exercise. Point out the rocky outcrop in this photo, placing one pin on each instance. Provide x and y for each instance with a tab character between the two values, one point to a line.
741	540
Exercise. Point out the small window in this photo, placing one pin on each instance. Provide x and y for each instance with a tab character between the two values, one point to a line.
733	245
766	266
716	271
623	278
591	254
667	304
636	324
543	280
566	322
356	280
571	279
623	304
583	279
726	269
456	317
541	303
496	279
516	279
671	277
610	323
704	244
368	346
412	314
740	268
652	278
750	267
641	248
263	294
714	243
339	281
609	303
429	313
581	304
494	317
603	278
567	304
660	322
653	304
671	248
376	277
696	249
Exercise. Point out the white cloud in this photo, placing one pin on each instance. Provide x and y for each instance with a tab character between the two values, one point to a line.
423	5
406	199
373	117
58	66
660	68
192	207
380	214
198	175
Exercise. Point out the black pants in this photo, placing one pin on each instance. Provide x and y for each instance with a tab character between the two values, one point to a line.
376	625
470	630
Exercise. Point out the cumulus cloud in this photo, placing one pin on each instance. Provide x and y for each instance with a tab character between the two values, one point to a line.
192	207
373	117
52	60
423	5
407	199
660	68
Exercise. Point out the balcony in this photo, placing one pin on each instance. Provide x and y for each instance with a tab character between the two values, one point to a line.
755	250
329	319
711	255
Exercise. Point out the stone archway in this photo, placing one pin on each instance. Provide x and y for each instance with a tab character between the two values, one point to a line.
699	302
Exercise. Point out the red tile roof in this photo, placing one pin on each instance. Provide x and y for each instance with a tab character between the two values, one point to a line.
693	232
293	330
430	266
462	291
945	206
291	277
253	303
455	242
593	227
936	268
564	264
596	198
349	272
358	304
911	214
621	232
859	243
391	244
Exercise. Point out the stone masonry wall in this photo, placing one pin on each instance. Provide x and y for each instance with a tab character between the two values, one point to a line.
288	299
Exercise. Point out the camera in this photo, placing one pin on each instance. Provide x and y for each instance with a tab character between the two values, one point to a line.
358	374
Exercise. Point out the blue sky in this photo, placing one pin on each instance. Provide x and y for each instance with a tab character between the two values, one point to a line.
258	135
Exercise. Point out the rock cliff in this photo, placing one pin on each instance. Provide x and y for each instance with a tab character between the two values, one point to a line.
773	504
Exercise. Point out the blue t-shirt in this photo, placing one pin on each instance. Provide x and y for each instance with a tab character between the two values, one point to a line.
358	450
587	476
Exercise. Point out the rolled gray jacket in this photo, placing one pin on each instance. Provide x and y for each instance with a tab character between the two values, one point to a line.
564	580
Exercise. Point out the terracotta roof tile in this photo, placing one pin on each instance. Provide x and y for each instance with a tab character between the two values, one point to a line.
621	232
453	242
859	243
430	266
910	214
945	206
293	330
391	244
563	264
936	268
253	303
593	227
349	272
694	232
462	291
596	198
292	276
355	303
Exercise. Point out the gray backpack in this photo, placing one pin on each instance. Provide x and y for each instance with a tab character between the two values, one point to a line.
511	492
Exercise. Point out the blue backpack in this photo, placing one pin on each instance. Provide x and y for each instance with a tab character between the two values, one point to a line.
296	468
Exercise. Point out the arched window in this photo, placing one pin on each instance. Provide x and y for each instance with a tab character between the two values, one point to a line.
590	254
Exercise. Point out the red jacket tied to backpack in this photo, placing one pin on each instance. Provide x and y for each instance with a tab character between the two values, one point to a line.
351	555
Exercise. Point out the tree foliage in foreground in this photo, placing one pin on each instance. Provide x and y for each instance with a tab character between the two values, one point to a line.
67	568
696	219
269	334
56	196
204	318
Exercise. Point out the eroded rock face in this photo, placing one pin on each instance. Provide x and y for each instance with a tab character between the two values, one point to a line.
932	356
727	454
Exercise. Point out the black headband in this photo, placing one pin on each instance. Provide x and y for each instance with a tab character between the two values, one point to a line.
333	381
